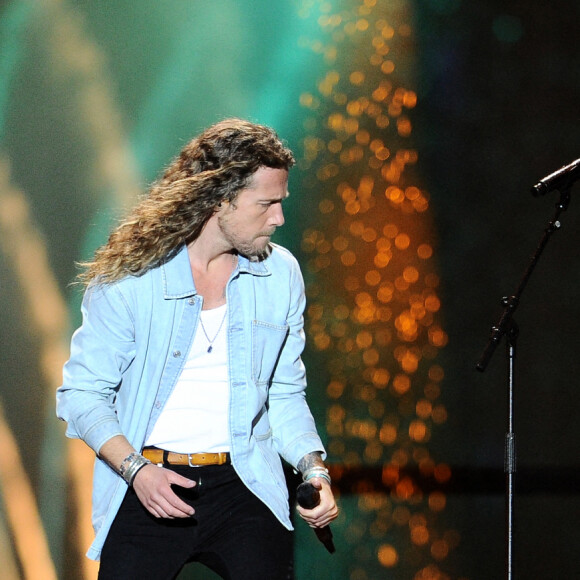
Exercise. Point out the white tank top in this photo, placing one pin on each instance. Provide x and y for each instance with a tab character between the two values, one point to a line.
195	416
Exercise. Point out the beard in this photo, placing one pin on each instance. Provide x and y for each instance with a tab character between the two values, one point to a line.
256	247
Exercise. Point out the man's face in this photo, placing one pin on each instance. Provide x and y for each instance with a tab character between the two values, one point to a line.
249	221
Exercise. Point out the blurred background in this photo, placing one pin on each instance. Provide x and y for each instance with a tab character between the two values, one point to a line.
419	128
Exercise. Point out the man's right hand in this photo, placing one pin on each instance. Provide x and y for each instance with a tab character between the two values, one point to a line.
152	484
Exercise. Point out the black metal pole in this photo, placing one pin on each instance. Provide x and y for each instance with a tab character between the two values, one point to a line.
511	303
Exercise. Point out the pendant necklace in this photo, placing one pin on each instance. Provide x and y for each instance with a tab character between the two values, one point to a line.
210	347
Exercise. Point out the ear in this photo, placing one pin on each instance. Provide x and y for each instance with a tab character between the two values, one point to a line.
220	208
223	205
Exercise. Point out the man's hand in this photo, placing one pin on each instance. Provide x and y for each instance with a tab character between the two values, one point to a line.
152	484
325	511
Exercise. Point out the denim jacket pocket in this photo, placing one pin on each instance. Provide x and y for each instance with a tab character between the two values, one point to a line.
267	342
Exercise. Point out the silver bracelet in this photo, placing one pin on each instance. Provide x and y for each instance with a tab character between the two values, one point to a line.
317	471
131	465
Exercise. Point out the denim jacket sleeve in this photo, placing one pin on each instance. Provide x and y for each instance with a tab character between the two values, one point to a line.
293	426
101	350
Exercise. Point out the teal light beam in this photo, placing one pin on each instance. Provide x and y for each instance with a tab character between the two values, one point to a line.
13	26
191	91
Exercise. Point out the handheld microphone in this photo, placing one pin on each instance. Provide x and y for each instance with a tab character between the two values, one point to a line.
308	497
560	180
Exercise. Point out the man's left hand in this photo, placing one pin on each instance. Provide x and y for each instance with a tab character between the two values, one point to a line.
325	511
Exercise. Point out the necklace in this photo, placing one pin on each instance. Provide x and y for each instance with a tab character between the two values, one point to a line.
210	347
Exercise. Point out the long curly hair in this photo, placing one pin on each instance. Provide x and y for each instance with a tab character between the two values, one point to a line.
211	169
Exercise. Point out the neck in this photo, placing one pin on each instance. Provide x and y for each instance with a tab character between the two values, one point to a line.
207	251
211	272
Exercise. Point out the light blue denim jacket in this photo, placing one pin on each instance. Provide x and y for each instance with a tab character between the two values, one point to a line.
129	351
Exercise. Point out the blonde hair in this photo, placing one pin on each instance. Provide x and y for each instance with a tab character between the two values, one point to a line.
210	169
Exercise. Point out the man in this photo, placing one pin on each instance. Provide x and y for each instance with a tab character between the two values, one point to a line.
185	377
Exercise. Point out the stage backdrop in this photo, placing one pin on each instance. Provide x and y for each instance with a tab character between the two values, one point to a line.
418	129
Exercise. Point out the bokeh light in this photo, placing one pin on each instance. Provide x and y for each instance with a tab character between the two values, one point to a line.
373	317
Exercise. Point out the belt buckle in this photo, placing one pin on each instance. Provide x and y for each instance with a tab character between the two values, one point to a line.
189	456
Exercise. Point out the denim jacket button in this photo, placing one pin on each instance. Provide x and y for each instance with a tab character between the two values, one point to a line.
176	353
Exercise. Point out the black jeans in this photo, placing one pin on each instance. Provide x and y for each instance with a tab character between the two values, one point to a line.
232	532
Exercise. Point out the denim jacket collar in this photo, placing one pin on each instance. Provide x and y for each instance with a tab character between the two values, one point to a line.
178	280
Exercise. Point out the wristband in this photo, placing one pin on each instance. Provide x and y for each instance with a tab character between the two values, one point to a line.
318	471
131	465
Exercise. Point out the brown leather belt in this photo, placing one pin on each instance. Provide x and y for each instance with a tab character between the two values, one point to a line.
161	457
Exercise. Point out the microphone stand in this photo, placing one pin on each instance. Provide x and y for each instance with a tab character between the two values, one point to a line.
507	327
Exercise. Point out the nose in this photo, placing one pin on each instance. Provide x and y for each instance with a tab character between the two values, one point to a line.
277	217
